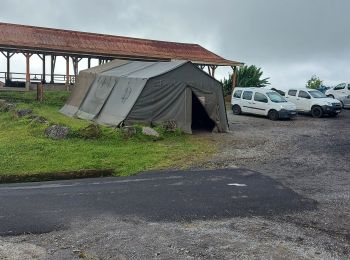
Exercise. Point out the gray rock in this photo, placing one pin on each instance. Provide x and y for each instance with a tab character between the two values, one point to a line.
39	119
56	132
128	131
149	131
6	106
92	131
24	112
170	126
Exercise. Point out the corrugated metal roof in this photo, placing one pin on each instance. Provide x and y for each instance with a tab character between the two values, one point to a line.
64	41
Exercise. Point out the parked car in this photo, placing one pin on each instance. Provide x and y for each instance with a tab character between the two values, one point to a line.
260	101
345	101
340	90
314	102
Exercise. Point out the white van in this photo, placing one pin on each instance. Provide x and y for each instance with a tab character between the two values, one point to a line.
314	102
338	91
261	101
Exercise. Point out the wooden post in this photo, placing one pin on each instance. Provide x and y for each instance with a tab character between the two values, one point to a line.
40	92
89	63
213	68
75	61
67	70
234	77
53	64
8	56
8	66
44	69
27	55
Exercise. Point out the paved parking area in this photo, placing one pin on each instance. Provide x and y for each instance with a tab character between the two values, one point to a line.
308	156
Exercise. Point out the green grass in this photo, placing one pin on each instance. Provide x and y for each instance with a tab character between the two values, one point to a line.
25	150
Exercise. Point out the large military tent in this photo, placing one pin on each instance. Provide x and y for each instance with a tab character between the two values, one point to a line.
124	92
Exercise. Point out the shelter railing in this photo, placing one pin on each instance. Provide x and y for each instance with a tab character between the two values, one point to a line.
37	77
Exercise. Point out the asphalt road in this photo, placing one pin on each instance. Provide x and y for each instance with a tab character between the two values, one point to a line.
157	196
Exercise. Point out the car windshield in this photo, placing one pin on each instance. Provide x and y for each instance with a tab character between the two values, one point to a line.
275	97
317	94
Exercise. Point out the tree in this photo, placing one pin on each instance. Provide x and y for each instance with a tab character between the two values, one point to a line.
246	77
314	82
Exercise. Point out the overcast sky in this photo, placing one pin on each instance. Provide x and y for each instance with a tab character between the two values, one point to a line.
289	40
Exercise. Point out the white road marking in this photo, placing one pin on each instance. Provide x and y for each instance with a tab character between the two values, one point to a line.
237	184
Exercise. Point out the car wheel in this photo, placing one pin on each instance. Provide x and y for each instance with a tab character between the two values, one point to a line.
317	112
273	115
236	110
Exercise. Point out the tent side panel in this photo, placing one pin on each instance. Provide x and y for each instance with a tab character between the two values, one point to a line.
162	101
82	86
207	89
96	97
120	101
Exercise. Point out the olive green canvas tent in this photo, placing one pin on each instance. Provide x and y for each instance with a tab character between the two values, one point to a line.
125	92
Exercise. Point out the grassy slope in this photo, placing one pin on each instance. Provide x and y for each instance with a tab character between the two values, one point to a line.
25	149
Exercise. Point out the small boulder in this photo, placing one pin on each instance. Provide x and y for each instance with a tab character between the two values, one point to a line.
24	112
149	131
39	119
170	126
92	131
56	132
128	131
6	106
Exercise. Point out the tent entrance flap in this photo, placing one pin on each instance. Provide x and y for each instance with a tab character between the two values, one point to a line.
200	118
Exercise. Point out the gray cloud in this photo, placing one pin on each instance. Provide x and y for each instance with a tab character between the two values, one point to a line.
290	40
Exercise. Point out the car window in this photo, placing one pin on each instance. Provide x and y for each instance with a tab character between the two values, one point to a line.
317	94
303	94
292	92
260	97
247	95
237	94
339	87
275	97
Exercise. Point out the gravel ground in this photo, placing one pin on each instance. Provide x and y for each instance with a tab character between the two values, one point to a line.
310	156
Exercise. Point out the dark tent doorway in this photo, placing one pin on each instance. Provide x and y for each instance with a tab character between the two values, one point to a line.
200	119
